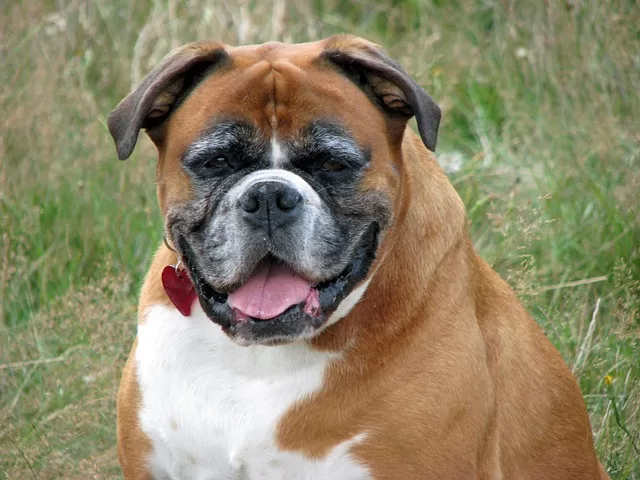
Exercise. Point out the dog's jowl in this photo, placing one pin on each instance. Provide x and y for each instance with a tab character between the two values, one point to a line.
317	309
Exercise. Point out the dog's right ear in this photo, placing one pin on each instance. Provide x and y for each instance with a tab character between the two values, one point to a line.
153	100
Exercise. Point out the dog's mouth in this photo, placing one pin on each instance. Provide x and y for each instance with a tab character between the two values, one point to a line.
277	304
273	288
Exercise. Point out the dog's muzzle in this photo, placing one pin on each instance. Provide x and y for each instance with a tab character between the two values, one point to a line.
272	262
276	304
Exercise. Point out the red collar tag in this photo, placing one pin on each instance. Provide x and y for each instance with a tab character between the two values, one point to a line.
179	288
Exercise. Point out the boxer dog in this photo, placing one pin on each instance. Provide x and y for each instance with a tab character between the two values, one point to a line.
317	310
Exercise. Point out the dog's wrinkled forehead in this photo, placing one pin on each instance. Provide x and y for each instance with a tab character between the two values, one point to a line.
276	106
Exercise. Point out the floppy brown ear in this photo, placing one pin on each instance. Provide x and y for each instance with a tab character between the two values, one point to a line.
385	82
153	100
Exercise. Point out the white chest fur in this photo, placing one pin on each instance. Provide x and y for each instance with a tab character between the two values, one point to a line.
211	407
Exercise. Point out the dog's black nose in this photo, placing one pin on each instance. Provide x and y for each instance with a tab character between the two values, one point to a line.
270	205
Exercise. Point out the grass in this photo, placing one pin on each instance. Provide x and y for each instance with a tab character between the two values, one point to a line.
540	134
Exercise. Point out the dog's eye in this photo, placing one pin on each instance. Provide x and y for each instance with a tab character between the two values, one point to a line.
216	162
331	165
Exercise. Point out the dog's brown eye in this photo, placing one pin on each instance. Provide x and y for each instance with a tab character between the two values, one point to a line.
219	161
332	166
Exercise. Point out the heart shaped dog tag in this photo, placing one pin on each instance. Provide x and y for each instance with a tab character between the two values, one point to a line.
179	289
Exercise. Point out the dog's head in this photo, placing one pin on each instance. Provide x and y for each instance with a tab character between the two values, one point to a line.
278	173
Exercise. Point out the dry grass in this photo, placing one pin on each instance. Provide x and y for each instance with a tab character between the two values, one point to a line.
540	133
66	390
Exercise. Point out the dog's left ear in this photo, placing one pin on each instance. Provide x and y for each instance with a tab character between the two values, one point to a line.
385	82
154	99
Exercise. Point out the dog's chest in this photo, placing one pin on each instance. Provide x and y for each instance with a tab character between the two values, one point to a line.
211	408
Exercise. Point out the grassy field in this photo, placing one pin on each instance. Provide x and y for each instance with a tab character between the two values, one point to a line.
540	136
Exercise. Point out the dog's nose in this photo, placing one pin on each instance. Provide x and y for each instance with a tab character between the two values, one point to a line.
270	205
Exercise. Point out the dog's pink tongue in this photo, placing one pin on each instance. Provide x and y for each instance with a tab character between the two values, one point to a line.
271	289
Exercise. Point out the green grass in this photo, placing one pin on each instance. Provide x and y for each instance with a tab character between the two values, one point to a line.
541	108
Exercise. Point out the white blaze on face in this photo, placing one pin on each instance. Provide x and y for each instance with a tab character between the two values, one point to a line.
277	154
